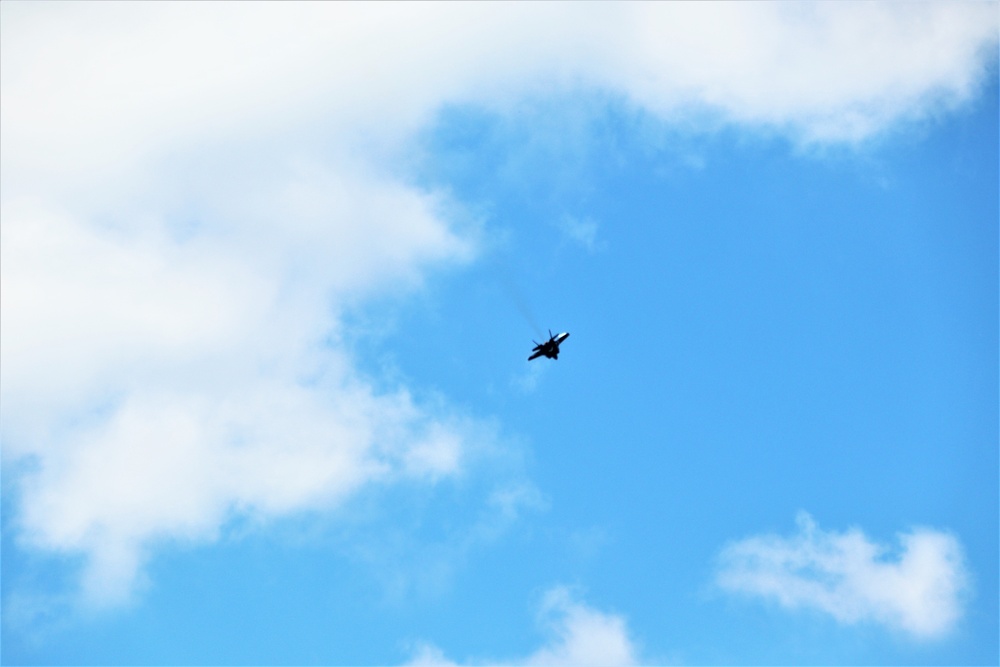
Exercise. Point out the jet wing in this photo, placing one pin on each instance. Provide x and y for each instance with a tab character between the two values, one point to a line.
535	355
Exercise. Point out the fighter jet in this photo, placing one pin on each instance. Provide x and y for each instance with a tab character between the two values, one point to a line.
549	348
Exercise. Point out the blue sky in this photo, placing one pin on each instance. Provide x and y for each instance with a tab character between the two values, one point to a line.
268	299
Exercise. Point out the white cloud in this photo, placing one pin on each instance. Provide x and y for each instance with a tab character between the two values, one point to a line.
428	655
918	589
579	635
191	193
177	465
160	386
101	88
582	635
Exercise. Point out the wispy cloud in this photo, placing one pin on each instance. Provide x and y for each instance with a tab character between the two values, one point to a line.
918	588
577	635
527	381
582	231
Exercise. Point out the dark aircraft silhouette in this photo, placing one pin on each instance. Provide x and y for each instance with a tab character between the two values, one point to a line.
549	348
